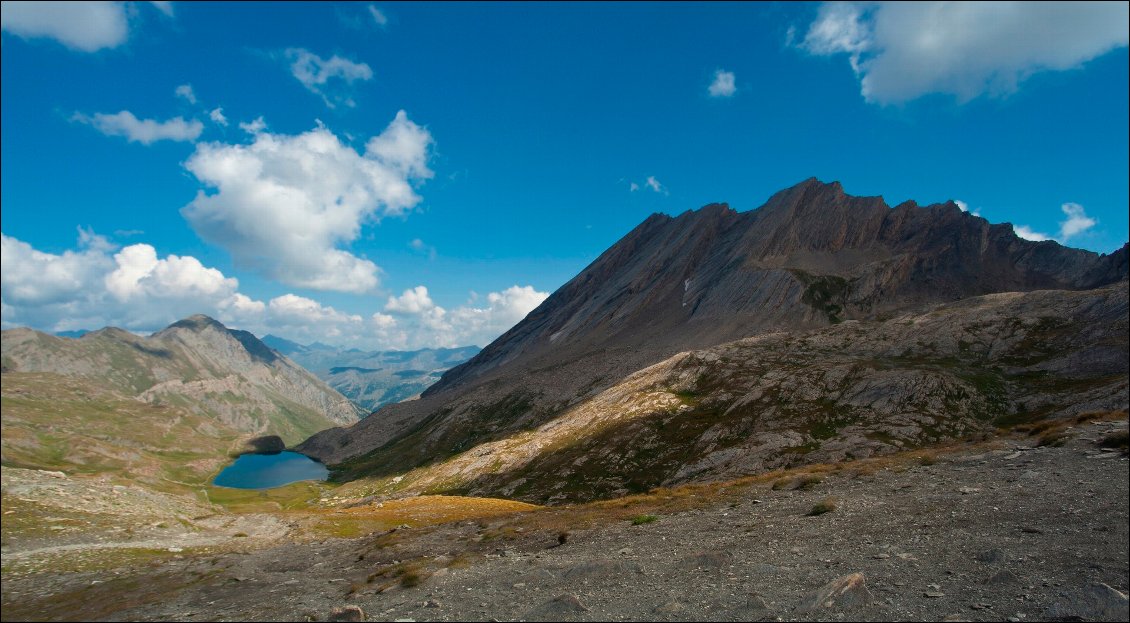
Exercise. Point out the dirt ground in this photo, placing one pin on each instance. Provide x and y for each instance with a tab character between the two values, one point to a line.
1000	531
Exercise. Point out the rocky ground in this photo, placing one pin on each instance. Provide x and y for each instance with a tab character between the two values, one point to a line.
1006	530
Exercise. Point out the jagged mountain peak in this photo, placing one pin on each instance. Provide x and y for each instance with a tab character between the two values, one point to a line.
810	256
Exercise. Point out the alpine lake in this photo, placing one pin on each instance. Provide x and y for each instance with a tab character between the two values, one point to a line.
269	470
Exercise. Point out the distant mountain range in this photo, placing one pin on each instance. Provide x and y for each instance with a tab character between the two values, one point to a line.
818	326
372	379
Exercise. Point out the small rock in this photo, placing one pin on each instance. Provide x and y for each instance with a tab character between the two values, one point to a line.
847	591
595	569
347	613
968	490
705	560
754	609
991	556
671	607
175	549
881	556
934	594
1097	602
1002	577
431	603
558	608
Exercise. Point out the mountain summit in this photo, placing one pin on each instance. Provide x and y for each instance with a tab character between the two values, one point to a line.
821	324
811	256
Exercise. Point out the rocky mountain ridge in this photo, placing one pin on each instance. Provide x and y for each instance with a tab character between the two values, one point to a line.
786	399
812	257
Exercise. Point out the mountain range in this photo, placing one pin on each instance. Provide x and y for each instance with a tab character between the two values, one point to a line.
818	326
372	379
169	406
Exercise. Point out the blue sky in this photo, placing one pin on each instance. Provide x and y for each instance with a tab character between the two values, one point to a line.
137	187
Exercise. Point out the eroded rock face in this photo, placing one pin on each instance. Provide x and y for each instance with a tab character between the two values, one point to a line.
811	257
784	399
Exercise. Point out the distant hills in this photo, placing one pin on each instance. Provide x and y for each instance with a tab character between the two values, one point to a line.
372	379
174	403
817	327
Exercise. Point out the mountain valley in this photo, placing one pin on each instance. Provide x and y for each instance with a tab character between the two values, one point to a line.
826	407
372	379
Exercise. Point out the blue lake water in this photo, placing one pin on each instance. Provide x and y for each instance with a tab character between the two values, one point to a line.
264	471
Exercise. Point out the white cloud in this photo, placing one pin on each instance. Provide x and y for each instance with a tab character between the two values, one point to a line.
144	131
654	184
82	26
633	187
423	323
140	273
403	145
1076	223
379	18
93	286
33	278
723	85
284	204
413	301
1028	233
316	73
164	7
97	285
217	117
964	207
254	127
904	50
186	93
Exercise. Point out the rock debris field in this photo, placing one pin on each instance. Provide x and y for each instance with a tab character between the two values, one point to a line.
1001	531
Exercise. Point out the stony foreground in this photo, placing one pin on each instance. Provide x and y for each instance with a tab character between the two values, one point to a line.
1005	531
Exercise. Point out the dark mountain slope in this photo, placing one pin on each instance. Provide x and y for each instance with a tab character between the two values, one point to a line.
811	257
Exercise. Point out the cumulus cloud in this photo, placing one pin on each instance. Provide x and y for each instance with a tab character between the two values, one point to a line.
329	78
218	118
253	127
904	50
82	26
33	278
412	301
186	93
423	323
723	84
284	204
654	185
1028	233
144	131
1076	223
97	285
